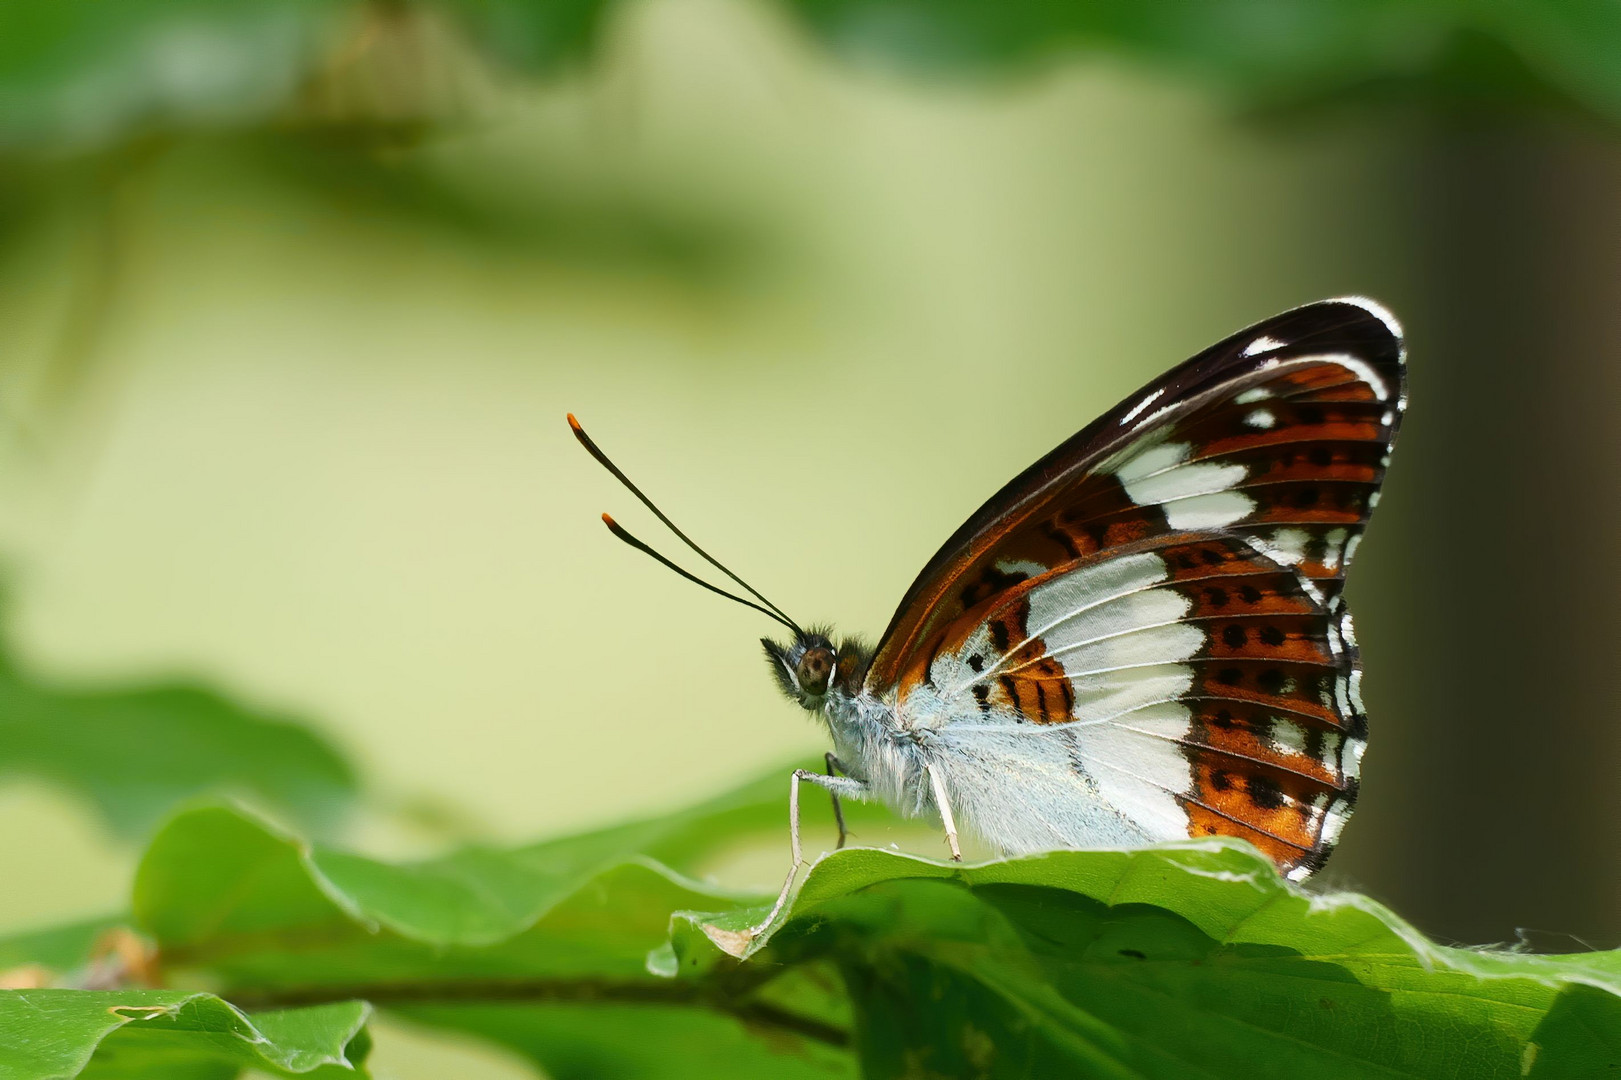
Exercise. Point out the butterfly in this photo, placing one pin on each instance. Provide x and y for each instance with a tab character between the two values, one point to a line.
1143	636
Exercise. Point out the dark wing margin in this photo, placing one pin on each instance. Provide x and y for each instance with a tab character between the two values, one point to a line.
1280	434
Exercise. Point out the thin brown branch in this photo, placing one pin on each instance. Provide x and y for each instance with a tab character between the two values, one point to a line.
545	991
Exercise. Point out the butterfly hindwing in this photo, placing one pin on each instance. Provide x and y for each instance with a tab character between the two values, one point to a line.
1152	613
1192	679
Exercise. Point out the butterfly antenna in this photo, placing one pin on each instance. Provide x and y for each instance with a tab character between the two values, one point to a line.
614	527
619	531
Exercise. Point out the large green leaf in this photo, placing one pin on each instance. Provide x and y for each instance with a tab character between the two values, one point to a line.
1191	960
544	948
132	1034
136	751
590	958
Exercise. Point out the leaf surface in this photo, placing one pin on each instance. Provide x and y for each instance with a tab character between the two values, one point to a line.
172	1033
591	958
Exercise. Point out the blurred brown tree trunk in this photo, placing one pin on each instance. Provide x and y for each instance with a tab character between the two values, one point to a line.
1499	656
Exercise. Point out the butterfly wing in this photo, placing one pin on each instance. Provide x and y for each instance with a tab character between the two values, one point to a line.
1153	610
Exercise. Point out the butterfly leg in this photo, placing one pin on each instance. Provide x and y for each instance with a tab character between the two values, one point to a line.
835	766
847	786
945	812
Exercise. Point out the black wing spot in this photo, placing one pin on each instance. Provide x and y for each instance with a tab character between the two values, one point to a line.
1216	597
1307	498
1271	680
1265	792
1322	457
1221	780
977	662
1230	676
1272	636
1235	637
982	694
1251	594
1214	556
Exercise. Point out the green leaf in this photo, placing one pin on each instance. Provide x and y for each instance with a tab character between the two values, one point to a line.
136	751
172	1033
1186	960
590	958
544	949
252	874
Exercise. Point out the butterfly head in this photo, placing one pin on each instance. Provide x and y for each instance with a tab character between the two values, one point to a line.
811	667
809	670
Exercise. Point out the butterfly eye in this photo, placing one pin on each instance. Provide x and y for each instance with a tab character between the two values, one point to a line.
815	668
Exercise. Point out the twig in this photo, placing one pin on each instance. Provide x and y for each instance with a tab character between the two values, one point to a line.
545	991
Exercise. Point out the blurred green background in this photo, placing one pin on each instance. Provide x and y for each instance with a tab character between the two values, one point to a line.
294	295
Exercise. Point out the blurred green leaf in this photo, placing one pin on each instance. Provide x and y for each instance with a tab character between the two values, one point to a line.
1275	53
591	959
135	752
533	35
58	947
173	1034
84	72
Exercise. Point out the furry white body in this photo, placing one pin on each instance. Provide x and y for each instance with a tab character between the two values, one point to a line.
1047	804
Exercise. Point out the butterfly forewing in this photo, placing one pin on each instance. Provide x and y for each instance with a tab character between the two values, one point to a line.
1157	603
